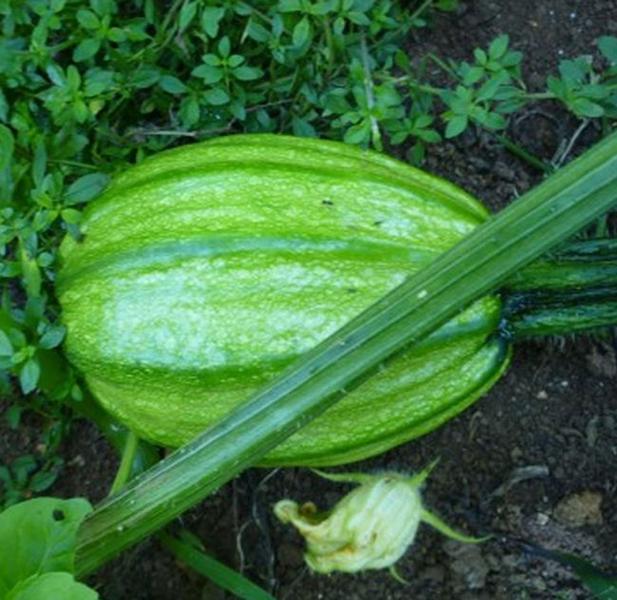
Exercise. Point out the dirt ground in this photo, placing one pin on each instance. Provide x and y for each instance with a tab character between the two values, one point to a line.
555	410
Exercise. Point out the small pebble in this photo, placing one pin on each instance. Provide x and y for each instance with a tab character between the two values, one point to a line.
582	508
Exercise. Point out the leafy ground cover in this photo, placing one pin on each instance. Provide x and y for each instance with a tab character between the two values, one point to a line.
87	87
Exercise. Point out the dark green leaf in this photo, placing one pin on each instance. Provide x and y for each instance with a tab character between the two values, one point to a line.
88	19
472	75
208	73
257	32
303	128
53	336
498	47
6	348
86	49
29	375
289	5
245	73
7	145
456	125
189	111
489	88
228	579
115	34
187	14
301	32
172	85
85	188
146	77
586	108
210	19
359	134
601	584
4	107
224	47
13	415
608	46
216	97
42	480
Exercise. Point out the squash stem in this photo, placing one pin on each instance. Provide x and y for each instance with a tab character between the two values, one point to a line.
535	223
572	290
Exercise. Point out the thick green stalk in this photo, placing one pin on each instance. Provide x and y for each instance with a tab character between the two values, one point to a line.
581	265
573	289
536	222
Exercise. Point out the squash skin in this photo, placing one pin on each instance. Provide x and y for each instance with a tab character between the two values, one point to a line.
205	270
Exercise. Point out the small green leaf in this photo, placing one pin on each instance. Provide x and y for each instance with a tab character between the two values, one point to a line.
7	145
489	88
85	188
189	111
456	125
13	415
608	46
4	107
480	56
257	32
172	85
473	75
359	133
245	73
208	73
498	47
146	77
51	586
216	97
187	14
41	534
210	20
42	480
29	375
30	272
88	19
86	49
53	336
71	216
224	47
586	108
302	128
301	33
115	34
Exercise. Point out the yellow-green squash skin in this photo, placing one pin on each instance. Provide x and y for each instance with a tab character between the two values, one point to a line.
206	270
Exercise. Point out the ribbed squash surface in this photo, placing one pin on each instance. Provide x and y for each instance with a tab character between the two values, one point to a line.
206	270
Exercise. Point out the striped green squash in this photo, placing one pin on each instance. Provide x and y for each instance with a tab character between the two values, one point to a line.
207	269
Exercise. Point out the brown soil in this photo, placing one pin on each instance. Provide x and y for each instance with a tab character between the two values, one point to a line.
555	409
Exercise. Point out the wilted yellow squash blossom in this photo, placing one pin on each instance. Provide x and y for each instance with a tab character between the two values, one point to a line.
369	528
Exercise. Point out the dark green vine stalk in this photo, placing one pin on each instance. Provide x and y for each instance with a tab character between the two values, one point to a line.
535	223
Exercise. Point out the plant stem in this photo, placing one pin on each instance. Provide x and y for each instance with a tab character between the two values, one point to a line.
570	291
536	222
126	463
442	65
370	97
540	96
418	12
519	151
410	80
144	456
